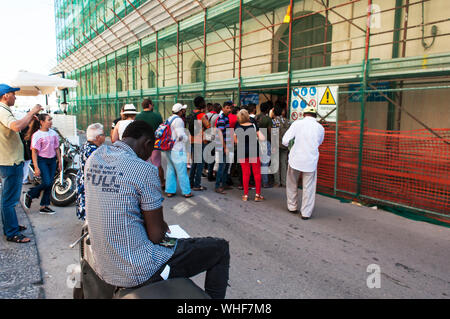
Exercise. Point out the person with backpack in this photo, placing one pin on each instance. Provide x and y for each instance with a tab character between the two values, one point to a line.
210	136
282	123
175	154
197	123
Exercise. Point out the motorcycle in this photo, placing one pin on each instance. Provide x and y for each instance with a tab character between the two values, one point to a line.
91	286
64	188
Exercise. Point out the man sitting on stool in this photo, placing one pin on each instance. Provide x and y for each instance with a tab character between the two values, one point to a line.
126	224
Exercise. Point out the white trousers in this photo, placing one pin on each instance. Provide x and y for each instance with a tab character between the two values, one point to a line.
309	182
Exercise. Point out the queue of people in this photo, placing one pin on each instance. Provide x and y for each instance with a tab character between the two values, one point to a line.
226	141
120	186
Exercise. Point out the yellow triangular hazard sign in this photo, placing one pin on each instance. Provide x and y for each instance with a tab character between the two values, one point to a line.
327	98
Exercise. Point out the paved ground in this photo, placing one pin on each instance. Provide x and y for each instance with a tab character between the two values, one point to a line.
277	255
20	271
273	254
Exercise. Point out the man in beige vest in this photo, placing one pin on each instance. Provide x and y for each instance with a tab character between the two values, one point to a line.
11	162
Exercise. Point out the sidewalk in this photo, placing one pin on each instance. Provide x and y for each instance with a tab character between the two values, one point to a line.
20	271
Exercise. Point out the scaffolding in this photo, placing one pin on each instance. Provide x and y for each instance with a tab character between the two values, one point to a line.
386	59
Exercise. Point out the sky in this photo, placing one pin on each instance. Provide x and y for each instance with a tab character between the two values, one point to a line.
27	29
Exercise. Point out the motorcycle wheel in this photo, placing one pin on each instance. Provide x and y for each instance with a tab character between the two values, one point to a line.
66	194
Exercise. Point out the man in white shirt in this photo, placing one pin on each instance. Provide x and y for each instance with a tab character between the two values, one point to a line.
303	158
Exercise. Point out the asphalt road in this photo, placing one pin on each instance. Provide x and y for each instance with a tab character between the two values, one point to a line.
278	255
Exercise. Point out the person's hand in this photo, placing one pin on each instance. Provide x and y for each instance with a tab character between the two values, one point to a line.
37	172
36	109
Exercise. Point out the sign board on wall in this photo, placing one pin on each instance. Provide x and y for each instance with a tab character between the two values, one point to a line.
323	98
247	98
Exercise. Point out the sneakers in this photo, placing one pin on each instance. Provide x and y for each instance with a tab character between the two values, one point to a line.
27	201
47	211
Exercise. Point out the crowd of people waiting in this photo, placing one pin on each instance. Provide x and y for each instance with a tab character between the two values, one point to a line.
120	185
220	142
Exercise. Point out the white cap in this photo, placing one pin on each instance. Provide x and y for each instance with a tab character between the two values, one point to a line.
129	109
178	107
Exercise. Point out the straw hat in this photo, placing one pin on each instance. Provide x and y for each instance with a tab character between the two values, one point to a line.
129	109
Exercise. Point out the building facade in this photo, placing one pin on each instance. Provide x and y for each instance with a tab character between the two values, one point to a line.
390	59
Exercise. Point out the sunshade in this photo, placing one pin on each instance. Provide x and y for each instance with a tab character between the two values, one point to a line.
32	84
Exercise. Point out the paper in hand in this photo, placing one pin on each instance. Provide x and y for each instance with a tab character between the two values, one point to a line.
177	232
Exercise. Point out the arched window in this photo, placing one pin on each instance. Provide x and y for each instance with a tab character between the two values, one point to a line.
151	79
119	86
307	35
197	72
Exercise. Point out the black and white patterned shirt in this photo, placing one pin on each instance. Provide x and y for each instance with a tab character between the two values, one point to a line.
119	186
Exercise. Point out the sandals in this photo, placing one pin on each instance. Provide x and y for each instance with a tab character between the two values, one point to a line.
188	195
220	190
170	194
244	198
259	198
201	188
19	239
22	228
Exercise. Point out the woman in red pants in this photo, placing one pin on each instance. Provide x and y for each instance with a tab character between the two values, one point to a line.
246	137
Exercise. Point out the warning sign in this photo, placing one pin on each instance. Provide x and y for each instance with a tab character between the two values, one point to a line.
327	98
323	98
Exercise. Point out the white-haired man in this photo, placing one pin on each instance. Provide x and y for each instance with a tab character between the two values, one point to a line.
95	136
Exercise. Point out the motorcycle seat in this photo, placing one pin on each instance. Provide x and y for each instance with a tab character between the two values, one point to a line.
174	288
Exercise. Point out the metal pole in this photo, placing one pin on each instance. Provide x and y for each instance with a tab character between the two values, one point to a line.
363	100
325	35
240	53
204	52
178	62
291	21
157	72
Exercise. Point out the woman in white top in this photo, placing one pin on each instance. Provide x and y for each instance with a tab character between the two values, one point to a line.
128	115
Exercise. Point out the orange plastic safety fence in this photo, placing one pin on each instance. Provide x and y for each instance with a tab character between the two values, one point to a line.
410	168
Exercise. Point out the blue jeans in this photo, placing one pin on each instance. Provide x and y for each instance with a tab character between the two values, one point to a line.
222	172
177	167
195	175
47	166
11	188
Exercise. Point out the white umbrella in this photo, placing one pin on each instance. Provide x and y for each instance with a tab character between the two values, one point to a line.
32	84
